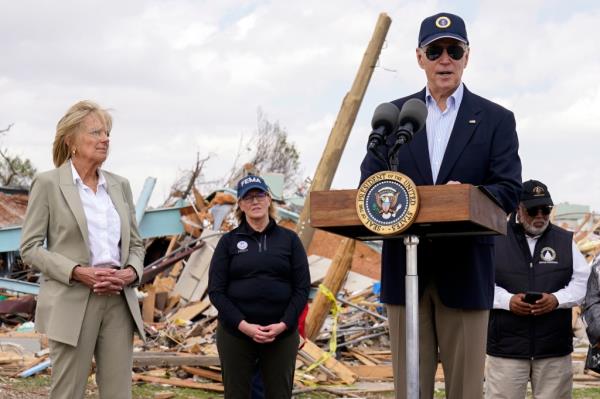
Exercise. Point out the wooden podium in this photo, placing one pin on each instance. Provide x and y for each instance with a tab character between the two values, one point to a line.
445	210
451	209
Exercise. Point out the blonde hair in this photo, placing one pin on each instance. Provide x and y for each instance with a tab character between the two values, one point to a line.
241	216
68	127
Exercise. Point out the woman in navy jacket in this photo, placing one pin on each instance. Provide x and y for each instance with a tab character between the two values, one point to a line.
259	283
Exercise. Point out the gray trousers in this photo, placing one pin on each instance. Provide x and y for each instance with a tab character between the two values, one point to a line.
239	357
107	335
459	334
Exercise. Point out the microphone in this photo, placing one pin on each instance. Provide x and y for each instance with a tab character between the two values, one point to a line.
384	122
411	119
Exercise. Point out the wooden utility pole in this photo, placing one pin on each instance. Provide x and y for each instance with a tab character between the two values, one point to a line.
343	125
335	277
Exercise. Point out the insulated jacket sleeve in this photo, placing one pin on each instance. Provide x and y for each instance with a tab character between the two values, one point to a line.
300	284
218	281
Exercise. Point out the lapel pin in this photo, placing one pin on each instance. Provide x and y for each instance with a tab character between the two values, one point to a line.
472	121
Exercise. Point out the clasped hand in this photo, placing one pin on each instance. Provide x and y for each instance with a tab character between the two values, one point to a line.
546	304
103	280
262	334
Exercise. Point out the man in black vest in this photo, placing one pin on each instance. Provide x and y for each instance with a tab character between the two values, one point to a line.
540	276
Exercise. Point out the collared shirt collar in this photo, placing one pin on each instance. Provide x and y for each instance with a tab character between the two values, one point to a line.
453	101
77	178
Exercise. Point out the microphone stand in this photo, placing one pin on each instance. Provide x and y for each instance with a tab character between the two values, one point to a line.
378	154
411	281
403	136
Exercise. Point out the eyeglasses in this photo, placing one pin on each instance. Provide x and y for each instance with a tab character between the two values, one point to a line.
259	196
455	51
545	209
98	133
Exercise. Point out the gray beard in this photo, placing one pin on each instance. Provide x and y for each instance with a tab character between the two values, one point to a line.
532	230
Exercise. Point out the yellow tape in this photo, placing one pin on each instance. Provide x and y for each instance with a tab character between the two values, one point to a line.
335	310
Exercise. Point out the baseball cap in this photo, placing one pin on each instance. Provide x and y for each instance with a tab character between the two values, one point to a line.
442	25
535	193
251	182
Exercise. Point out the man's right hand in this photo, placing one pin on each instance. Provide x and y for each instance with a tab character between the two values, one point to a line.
518	305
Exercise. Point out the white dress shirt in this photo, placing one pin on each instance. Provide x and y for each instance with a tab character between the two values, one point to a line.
439	126
569	296
103	222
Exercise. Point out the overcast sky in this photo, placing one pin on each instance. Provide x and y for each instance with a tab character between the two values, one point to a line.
188	76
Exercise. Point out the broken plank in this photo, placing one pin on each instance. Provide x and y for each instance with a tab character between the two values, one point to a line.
211	375
143	359
190	311
6	358
340	369
176	382
363	358
148	304
164	284
30	365
172	301
377	372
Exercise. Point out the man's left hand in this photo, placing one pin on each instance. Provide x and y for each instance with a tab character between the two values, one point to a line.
545	305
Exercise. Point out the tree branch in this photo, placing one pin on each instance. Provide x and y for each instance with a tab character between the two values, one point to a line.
7	129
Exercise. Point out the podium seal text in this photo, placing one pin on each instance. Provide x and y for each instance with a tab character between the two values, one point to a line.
387	203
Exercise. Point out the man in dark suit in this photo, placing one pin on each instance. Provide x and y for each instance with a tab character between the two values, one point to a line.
470	140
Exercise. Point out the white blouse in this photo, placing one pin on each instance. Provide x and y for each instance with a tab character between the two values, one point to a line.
103	222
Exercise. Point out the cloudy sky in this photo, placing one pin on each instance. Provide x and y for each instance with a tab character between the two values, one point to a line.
188	76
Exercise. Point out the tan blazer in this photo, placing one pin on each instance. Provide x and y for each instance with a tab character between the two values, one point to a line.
55	215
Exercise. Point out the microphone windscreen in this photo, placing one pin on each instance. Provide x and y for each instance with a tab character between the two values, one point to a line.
385	115
413	111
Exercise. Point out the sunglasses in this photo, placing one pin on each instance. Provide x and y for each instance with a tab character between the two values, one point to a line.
455	51
546	209
259	196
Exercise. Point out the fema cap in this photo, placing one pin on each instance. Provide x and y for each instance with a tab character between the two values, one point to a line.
442	25
535	193
251	182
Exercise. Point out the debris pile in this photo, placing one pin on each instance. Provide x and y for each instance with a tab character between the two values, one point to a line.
347	349
180	321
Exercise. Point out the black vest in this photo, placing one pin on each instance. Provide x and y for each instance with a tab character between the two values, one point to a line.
549	270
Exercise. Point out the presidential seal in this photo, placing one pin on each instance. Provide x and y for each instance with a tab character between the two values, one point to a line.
443	22
387	203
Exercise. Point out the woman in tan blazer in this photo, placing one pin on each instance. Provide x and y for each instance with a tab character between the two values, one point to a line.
80	233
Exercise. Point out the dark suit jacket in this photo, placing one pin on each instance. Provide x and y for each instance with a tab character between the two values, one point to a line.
482	151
